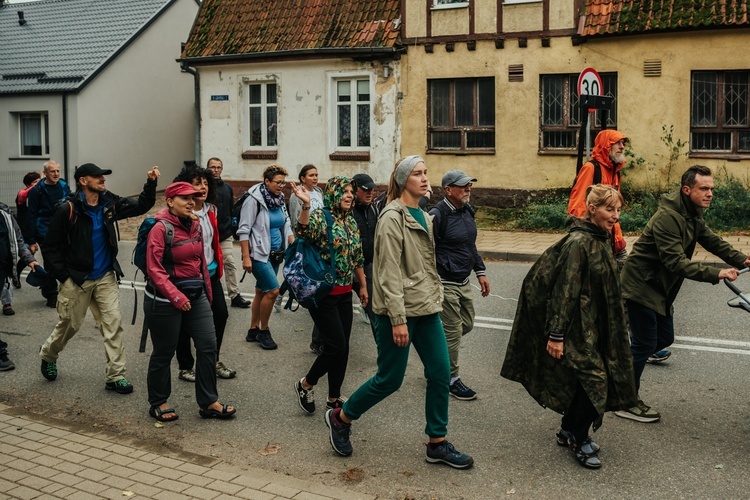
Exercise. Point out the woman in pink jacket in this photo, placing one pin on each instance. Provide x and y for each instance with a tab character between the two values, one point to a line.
178	294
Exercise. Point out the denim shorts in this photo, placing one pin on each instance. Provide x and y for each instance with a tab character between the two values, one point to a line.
265	274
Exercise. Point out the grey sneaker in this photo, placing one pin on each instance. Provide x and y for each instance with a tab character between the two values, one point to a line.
305	397
277	304
448	455
223	372
186	375
460	391
339	403
6	364
338	433
659	357
640	413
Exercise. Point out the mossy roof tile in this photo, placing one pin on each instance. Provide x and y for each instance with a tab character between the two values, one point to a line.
236	27
619	17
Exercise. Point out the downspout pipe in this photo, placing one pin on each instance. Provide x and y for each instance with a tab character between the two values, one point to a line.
65	135
197	114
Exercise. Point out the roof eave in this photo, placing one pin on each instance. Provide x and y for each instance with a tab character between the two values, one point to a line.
324	52
658	31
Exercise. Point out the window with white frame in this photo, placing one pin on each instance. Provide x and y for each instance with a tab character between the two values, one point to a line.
560	115
262	115
450	3
33	134
352	113
720	112
461	114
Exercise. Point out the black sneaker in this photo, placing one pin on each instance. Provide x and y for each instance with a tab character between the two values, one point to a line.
6	364
448	455
266	341
459	390
239	301
338	433
305	397
121	386
252	335
51	302
49	370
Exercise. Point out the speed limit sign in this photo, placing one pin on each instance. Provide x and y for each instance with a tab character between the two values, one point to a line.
590	83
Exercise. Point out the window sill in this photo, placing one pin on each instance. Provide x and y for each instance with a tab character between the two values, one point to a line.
259	155
349	156
461	152
558	152
35	158
450	6
720	155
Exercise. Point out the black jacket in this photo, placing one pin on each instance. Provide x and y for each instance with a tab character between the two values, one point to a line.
367	218
456	248
224	201
69	251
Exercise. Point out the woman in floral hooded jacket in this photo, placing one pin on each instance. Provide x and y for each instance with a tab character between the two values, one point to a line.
333	316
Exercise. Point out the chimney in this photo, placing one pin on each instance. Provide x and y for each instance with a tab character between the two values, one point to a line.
21	20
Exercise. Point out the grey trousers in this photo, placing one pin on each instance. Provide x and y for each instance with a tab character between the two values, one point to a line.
164	323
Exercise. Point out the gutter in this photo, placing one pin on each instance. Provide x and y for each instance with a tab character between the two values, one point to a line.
65	135
320	52
197	114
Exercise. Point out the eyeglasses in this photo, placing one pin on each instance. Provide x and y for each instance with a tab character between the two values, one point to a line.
279	183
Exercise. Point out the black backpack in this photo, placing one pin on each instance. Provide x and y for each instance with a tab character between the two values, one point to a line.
237	210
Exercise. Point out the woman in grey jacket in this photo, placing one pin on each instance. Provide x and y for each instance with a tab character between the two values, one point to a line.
407	299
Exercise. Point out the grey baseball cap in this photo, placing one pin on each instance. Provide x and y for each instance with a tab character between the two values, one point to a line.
457	178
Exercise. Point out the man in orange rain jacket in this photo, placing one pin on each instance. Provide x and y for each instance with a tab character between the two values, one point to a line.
609	153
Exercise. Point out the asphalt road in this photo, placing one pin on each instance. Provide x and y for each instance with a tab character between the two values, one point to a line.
699	449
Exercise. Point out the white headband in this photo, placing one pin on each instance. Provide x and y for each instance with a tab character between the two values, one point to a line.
404	168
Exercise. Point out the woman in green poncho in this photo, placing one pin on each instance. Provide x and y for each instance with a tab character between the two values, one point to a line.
569	345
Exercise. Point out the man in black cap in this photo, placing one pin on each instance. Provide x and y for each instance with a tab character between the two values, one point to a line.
457	256
366	214
81	252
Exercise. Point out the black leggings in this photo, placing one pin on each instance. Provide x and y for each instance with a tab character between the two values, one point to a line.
580	415
333	318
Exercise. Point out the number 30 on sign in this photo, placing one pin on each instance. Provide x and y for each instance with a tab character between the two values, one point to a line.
590	83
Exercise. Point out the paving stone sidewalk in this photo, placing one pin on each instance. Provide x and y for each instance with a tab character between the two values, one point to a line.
43	458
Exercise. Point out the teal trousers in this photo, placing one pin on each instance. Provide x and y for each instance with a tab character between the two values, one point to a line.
428	337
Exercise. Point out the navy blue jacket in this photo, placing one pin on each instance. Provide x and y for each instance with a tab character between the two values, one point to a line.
456	248
41	203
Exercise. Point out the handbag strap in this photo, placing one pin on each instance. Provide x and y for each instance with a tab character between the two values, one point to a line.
329	230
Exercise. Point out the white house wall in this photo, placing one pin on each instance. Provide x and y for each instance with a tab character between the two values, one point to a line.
139	111
305	117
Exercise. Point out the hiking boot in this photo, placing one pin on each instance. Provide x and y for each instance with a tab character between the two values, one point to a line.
49	370
6	364
305	397
8	310
317	349
446	454
187	375
640	413
459	390
252	335
338	433
223	372
339	403
121	386
265	340
239	301
565	438
659	357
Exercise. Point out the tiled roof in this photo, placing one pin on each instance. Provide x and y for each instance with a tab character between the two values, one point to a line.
619	17
64	42
235	27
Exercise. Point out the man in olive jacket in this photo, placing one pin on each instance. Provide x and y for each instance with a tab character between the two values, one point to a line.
658	264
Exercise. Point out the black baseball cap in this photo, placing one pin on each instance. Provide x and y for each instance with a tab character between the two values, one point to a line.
364	181
89	169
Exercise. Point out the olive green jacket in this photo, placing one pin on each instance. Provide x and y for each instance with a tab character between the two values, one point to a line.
573	291
660	259
405	278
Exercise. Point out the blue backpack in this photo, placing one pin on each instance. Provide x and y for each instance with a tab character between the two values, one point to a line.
309	278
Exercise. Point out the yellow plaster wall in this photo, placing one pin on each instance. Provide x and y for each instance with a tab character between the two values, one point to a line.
645	103
561	14
485	16
522	17
450	21
416	24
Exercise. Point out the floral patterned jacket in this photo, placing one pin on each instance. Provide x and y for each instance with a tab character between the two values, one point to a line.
346	241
